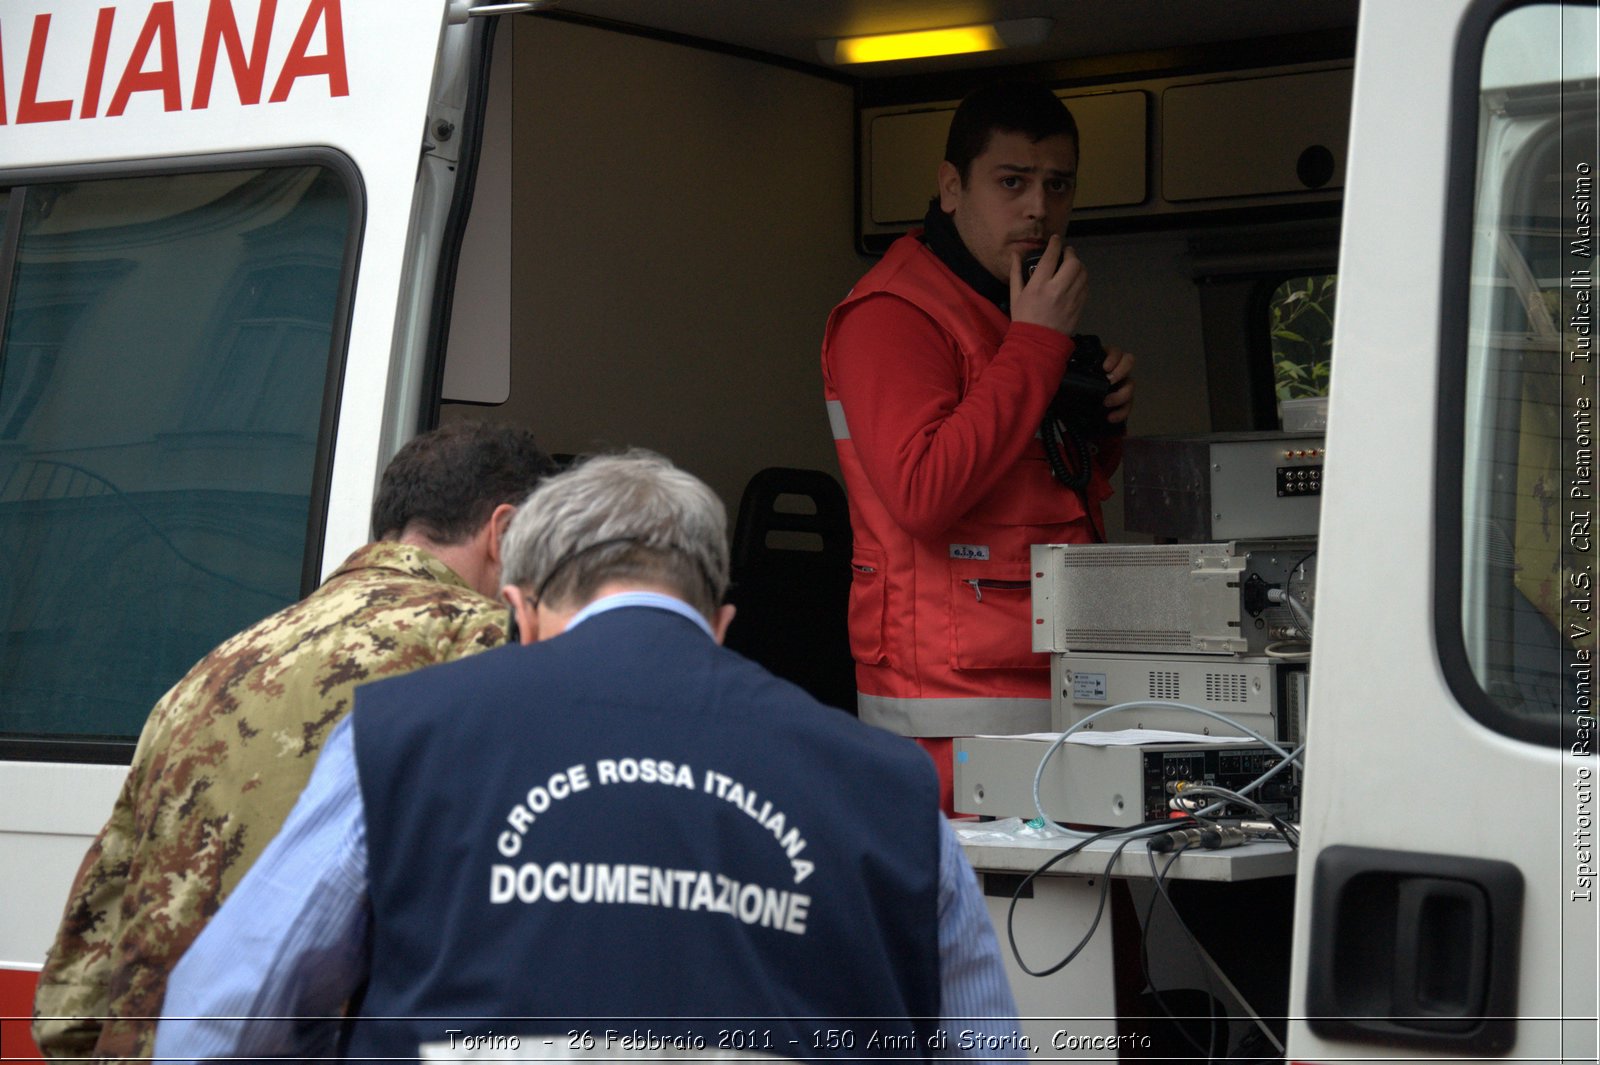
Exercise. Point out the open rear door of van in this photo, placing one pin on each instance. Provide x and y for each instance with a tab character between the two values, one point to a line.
1446	896
226	224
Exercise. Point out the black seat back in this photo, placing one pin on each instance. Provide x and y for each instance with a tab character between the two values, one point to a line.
791	581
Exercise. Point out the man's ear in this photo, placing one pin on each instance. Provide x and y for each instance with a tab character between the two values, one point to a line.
499	521
949	186
721	620
525	613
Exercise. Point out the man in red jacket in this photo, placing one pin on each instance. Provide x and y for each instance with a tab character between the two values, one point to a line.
939	369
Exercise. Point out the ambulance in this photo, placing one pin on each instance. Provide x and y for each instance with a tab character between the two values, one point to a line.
250	247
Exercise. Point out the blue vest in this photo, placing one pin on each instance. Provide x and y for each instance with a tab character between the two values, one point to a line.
632	835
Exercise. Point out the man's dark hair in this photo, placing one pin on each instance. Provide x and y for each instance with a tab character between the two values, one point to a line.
447	482
1006	107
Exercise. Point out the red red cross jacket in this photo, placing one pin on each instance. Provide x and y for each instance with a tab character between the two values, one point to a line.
935	398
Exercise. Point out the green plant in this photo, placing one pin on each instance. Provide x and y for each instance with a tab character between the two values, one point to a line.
1302	335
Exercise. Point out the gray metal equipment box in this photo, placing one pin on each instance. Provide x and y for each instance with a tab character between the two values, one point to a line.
1170	598
1258	692
1223	486
1084	785
1115	787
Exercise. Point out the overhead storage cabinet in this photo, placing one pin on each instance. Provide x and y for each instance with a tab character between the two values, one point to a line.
1254	136
902	150
1169	146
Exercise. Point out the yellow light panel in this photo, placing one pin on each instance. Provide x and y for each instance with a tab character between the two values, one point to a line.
917	45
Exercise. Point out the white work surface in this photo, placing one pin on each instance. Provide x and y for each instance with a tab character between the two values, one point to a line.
1025	853
1071	1014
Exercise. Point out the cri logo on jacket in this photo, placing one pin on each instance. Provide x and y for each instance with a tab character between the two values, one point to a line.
973	552
644	885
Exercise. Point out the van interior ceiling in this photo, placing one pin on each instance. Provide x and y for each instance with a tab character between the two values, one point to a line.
739	185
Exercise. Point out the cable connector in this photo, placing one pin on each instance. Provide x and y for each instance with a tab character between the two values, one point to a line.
1201	837
1298	609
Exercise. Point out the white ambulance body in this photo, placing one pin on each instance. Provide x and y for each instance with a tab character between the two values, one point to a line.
1447	870
237	249
225	223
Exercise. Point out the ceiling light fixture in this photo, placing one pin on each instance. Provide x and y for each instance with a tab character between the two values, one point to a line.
920	44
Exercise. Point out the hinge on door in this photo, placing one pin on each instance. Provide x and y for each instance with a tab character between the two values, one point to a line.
461	10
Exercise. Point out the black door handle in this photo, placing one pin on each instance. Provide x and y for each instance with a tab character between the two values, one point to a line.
1412	948
1441	952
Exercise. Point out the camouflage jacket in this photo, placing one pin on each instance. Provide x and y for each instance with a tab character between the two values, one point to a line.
220	763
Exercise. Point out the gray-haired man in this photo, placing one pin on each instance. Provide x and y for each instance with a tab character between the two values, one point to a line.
616	832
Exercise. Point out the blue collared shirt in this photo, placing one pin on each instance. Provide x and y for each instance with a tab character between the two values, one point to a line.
655	599
291	941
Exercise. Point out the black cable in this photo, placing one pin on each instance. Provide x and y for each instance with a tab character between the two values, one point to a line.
1290	836
1206	962
1144	951
1057	431
1105	881
1144	929
1100	906
1288	584
1224	796
1076	415
1307	557
1279	825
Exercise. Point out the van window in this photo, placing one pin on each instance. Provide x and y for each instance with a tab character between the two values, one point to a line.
1527	487
167	350
1301	328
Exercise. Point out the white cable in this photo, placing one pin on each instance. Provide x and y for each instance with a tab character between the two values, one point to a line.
1038	803
1298	609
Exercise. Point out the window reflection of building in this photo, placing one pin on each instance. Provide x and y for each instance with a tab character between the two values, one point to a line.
45	310
268	342
165	361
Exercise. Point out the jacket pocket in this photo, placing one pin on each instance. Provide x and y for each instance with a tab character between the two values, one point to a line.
868	609
991	617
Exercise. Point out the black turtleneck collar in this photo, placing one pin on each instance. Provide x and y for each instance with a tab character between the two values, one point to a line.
940	235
